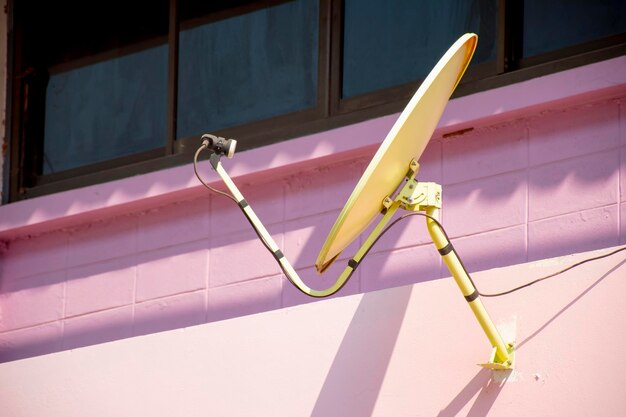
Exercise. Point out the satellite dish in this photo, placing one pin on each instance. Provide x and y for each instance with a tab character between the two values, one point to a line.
395	161
406	141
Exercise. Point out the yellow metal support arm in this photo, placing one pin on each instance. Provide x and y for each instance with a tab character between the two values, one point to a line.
287	268
502	357
426	196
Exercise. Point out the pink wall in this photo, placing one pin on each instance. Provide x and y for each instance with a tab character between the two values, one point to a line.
538	177
404	351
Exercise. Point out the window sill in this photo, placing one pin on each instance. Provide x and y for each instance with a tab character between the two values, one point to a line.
73	207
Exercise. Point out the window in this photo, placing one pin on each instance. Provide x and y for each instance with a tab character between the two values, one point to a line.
248	68
557	24
379	39
103	90
89	89
105	110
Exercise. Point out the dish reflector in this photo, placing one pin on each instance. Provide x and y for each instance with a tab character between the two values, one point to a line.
406	140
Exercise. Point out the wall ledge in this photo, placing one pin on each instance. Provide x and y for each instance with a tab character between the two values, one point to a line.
65	209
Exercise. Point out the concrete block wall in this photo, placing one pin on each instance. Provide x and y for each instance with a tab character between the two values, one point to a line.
543	184
404	351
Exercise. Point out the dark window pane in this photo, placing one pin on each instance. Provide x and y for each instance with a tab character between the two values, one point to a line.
392	43
249	67
550	25
106	110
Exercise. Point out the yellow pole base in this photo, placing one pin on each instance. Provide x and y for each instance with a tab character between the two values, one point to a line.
501	366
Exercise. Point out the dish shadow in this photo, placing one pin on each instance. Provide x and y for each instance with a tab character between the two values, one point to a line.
488	390
570	304
353	382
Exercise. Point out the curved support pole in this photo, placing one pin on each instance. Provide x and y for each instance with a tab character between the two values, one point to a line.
286	266
503	353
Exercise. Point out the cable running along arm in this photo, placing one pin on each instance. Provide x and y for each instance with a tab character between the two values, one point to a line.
269	242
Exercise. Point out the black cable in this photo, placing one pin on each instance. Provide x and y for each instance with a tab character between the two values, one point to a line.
258	233
195	169
555	274
470	278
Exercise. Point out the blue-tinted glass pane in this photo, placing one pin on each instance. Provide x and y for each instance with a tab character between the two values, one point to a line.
106	110
555	24
249	67
389	43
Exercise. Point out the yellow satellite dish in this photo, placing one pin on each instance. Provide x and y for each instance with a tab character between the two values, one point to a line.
395	160
406	141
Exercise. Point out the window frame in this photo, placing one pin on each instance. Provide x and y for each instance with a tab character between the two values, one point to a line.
330	111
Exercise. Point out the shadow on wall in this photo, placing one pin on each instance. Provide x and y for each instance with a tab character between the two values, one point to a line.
559	222
173	312
112	325
482	383
353	382
570	304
